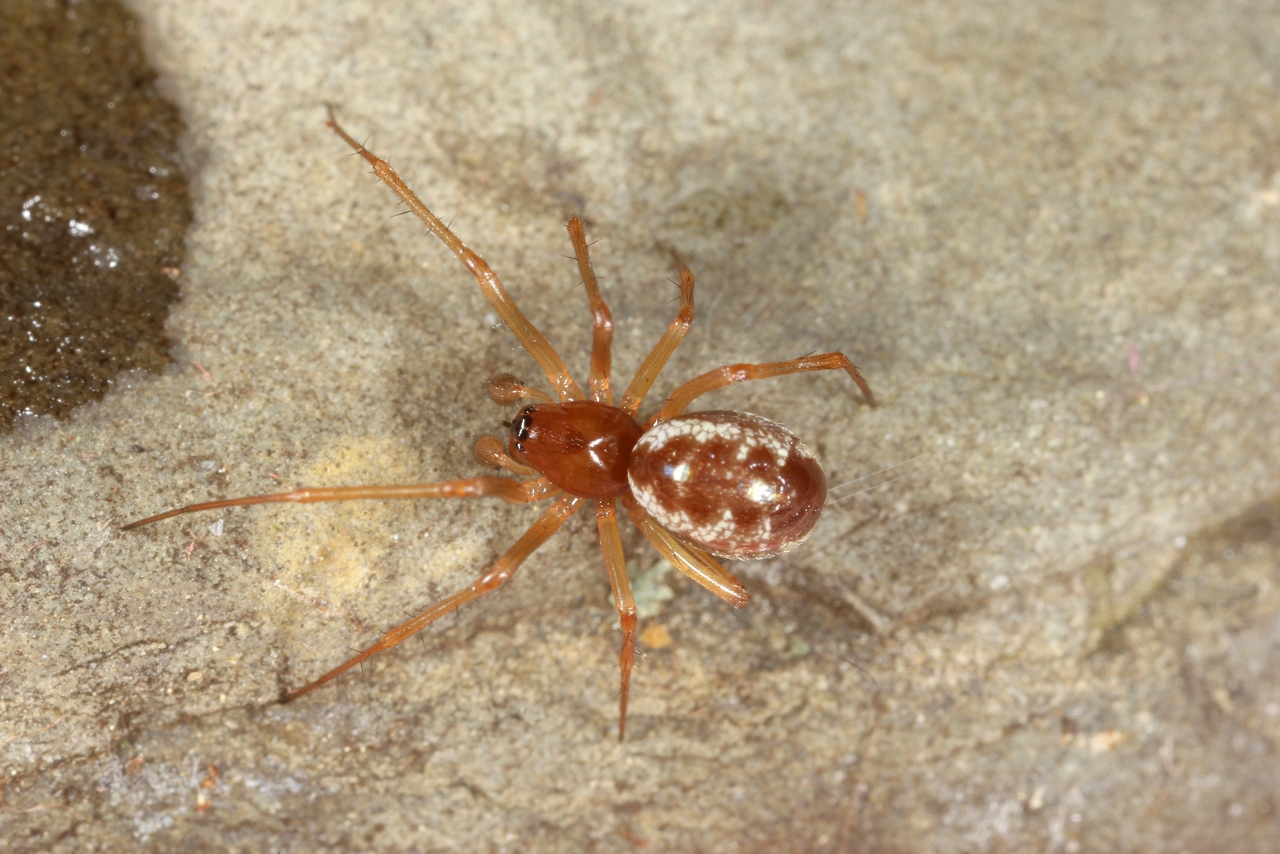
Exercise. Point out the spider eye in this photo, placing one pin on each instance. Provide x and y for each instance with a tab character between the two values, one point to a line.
522	425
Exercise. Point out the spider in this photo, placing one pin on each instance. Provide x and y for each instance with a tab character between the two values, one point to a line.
697	485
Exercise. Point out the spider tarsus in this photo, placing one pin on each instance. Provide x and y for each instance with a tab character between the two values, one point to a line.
160	517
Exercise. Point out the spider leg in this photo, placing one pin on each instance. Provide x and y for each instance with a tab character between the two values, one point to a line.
511	491
680	399
695	563
490	285
657	358
616	567
498	575
602	319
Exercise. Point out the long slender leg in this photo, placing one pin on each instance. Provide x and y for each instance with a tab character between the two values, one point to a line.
616	567
511	491
602	319
695	563
730	374
506	566
657	358
526	333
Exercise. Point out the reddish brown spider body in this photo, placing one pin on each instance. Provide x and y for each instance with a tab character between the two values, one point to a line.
581	446
731	483
714	483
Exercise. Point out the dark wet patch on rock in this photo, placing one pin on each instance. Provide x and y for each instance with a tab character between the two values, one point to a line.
94	206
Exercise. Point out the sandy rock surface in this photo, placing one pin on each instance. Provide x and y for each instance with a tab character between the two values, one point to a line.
1050	236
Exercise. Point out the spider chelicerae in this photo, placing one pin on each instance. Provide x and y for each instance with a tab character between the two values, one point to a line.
698	485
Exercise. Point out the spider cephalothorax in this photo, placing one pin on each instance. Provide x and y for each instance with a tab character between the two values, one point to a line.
697	484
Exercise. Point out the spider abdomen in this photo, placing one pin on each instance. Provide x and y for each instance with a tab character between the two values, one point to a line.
730	483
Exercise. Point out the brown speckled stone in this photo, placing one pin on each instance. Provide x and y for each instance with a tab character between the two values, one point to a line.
93	206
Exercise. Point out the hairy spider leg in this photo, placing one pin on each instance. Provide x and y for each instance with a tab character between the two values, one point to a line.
490	285
599	379
657	358
615	565
695	563
511	491
730	374
499	574
601	318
